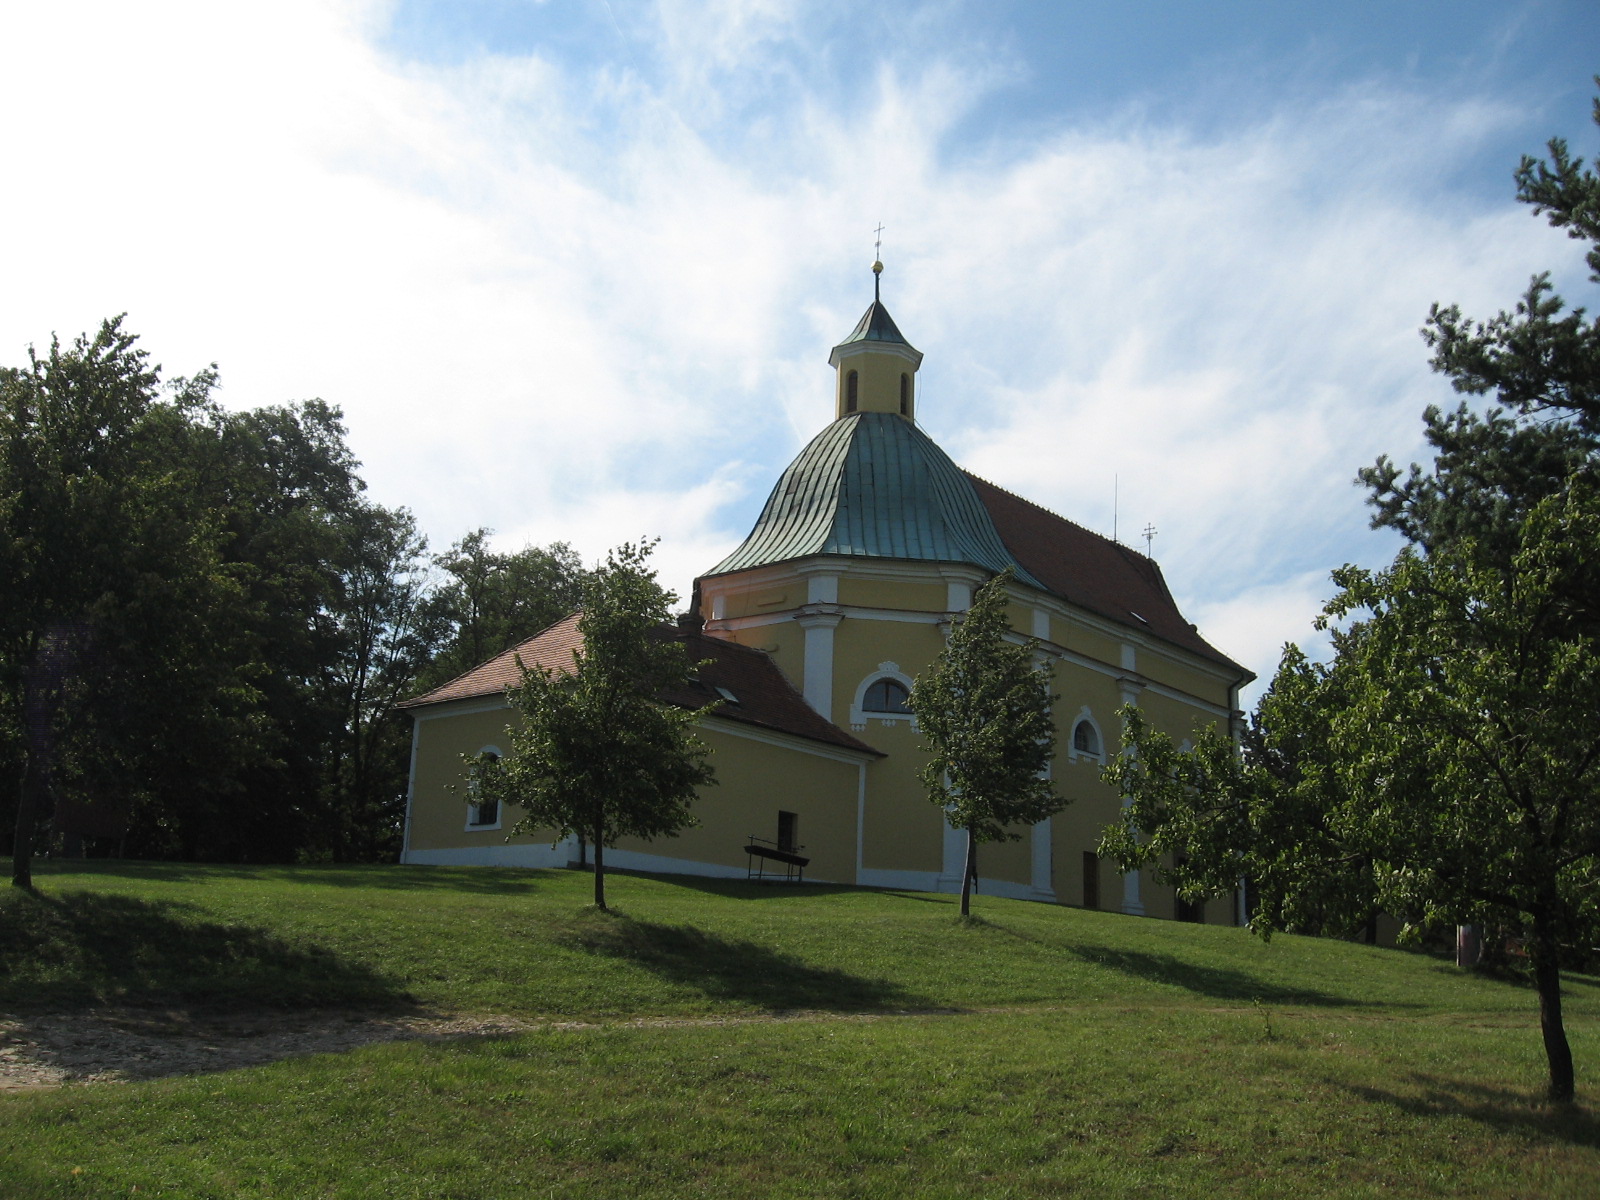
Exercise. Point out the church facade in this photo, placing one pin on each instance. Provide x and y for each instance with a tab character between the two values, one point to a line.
869	545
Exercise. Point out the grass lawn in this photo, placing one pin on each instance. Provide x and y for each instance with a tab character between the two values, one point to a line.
1038	1051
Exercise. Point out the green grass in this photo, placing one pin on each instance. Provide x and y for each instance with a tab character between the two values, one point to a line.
1034	1052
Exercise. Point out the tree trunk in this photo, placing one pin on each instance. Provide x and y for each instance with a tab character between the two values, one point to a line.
599	871
22	850
969	874
1547	978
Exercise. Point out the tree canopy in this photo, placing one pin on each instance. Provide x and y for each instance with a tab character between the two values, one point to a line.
983	708
1444	766
596	752
1540	362
205	621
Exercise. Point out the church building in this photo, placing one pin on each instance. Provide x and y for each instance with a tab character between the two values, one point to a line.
868	547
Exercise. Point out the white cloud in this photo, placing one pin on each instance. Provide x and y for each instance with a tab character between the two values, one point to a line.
589	303
1255	624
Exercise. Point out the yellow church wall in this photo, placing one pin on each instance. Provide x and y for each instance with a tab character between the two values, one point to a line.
1020	617
749	602
1010	861
1080	687
439	816
902	830
878	384
784	641
893	594
755	780
1090	643
1093	805
1183	678
859	645
439	795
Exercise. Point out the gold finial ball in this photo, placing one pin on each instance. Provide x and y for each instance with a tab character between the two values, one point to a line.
877	267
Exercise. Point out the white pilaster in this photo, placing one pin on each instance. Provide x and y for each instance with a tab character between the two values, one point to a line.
822	589
1132	903
1043	888
955	858
817	686
1041	624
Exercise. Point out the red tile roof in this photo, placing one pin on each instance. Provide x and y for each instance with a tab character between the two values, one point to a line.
1093	572
762	695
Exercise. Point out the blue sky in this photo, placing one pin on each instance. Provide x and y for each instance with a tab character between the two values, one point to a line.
572	269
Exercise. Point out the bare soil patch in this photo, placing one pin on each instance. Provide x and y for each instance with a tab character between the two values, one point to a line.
117	1045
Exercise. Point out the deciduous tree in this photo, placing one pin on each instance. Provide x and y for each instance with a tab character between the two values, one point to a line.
1454	771
1445	765
110	573
489	600
983	707
596	752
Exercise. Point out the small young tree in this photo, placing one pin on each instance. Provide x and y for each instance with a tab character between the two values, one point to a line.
984	711
596	752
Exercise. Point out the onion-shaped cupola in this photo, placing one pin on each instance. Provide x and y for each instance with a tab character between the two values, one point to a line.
872	484
877	367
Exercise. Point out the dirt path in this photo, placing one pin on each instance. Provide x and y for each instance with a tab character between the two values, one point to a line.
117	1045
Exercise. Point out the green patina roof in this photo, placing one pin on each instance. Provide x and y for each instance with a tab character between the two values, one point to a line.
873	485
876	325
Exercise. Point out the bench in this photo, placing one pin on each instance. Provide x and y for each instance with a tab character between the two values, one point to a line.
763	853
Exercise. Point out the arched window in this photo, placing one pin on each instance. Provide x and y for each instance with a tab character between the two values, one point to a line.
852	384
482	810
883	698
1085	740
905	395
886	696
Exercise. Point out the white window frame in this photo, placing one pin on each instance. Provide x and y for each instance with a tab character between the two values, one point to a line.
859	716
473	825
1073	753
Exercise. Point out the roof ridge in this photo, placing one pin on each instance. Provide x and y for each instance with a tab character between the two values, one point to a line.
515	646
728	642
1052	513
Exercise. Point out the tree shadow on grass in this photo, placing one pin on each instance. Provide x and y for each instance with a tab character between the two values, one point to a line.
72	949
738	889
501	881
734	969
1500	1109
1221	983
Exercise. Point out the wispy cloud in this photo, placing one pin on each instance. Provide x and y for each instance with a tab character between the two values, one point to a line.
590	299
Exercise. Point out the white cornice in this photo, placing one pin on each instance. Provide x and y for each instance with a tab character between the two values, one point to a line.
900	350
462	707
904	571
